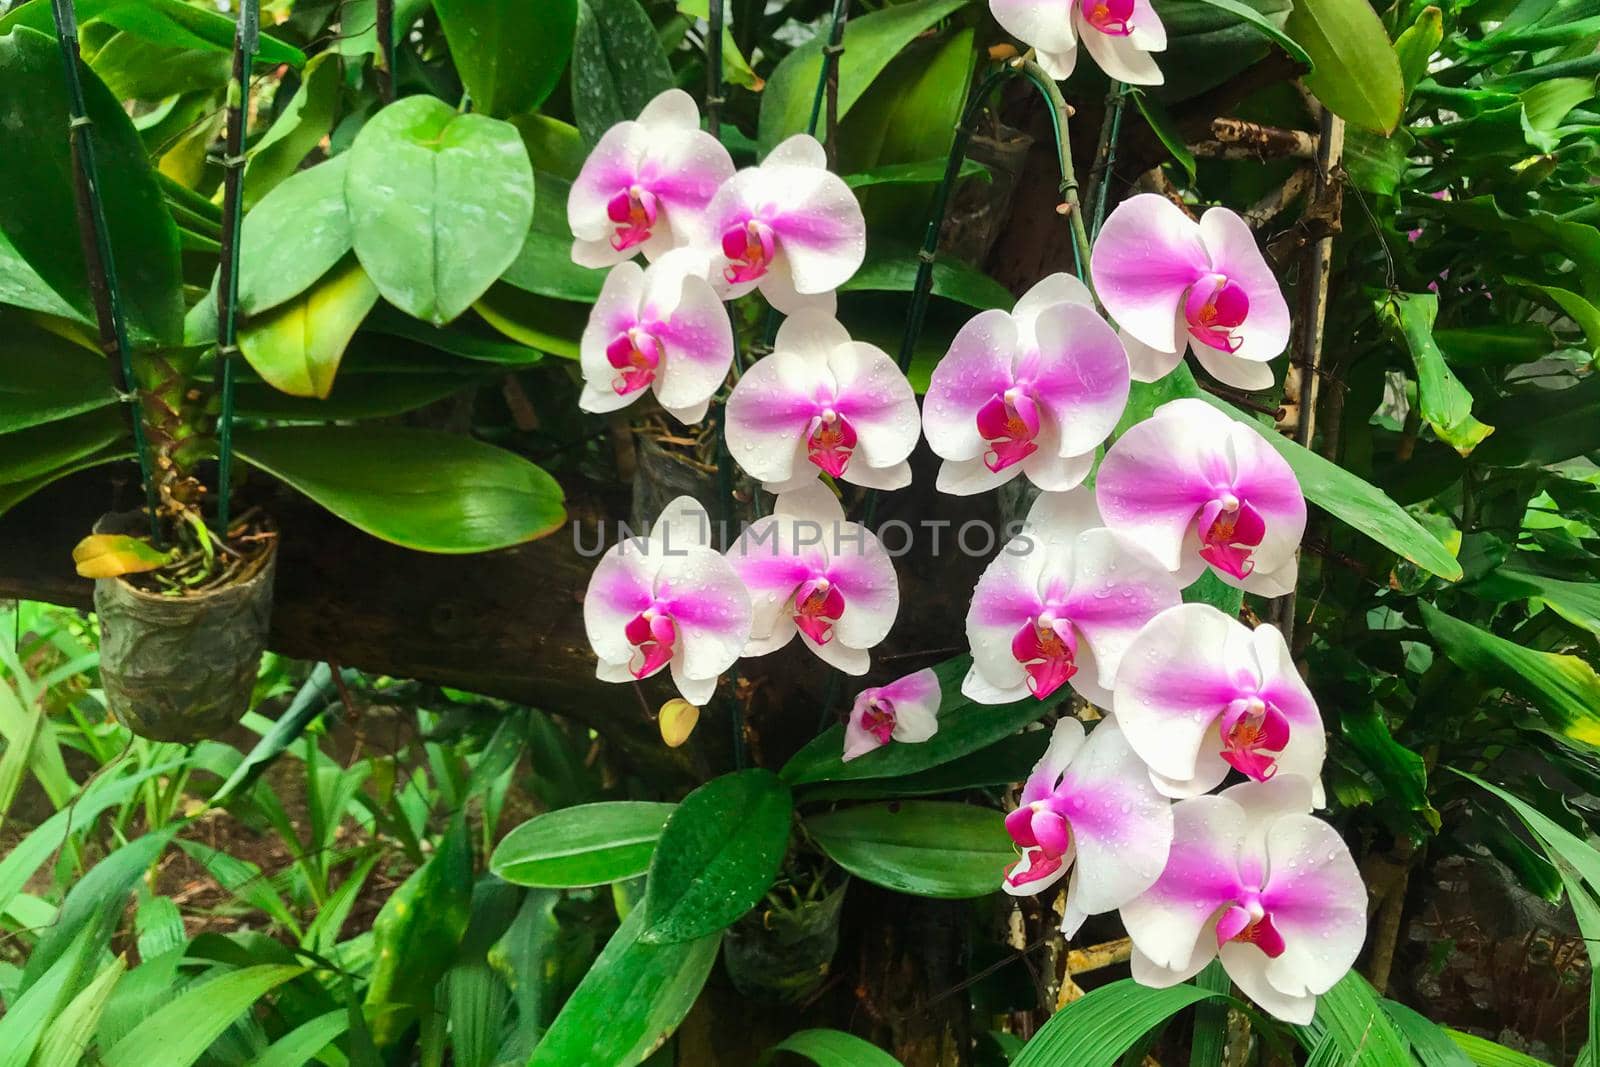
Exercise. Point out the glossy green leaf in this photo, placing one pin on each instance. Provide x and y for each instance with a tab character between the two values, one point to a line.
591	844
38	213
923	172
952	280
21	286
871	41
833	1048
184	1026
421	489
299	128
44	377
718	855
1357	74
300	1045
736	69
354	396
439	203
964	727
538	322
1268	29
1096	1030
14	493
72	1031
172	23
137	68
509	53
469	340
1496	345
1519	578
1485	1053
1209	589
1166	131
1416	45
1575	306
926	848
618	65
1002	763
632	999
39	450
1402	772
1565	689
1349	1014
1445	403
1429	1041
544	267
296	348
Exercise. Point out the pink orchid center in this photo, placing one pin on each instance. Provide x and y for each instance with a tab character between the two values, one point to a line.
1009	421
1047	649
634	211
1229	530
1039	825
636	354
878	719
1039	867
652	634
1254	734
750	246
1109	16
1248	922
817	606
830	442
1215	306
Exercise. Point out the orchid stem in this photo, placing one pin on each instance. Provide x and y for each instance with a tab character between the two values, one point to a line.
99	260
1106	156
233	160
714	86
828	77
383	68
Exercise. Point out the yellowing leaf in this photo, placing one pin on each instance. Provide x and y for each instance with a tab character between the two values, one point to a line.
677	721
111	555
296	348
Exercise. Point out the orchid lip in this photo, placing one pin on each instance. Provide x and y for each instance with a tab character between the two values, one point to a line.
1254	734
634	210
830	442
1214	307
652	633
818	604
1047	650
879	719
1009	422
750	247
1248	922
1229	530
636	355
1111	17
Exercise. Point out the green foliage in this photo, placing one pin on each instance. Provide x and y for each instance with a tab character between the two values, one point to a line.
923	847
592	844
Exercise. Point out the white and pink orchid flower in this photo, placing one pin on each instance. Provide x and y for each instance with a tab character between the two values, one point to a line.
1200	692
1255	879
663	329
1199	489
1059	604
1088	808
1168	281
1119	34
645	184
668	600
813	573
906	710
1032	391
821	403
788	227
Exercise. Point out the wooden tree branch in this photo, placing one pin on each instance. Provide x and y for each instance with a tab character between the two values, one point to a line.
1238	139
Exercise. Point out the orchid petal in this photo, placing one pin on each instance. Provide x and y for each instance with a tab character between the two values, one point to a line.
977	367
1047	25
769	410
1147	256
1169	922
1117	587
1083	378
1234	253
1234	370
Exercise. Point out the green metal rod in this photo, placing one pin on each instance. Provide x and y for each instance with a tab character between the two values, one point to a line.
99	260
1106	155
830	61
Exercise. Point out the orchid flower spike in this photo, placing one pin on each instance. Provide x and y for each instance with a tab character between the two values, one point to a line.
1200	489
1167	280
1255	879
1034	391
1086	807
1059	604
645	183
822	403
905	710
811	572
788	227
1200	692
1119	34
668	599
663	328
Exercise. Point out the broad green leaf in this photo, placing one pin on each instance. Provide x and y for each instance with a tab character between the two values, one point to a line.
1269	29
1402	772
544	267
421	489
1357	74
39	450
952	280
964	726
538	322
439	203
172	23
509	53
38	213
1548	102
1576	308
1446	405
630	1000
1415	47
296	348
44	377
1209	589
923	847
591	844
137	68
21	286
618	65
299	128
469	340
1210	43
415	935
1565	689
1430	1041
354	396
184	1026
1096	1030
718	855
833	1048
871	41
1485	1053
1540	426
359	22
1496	345
71	1033
555	148
1518	578
736	69
1002	763
923	172
300	1045
1349	1014
14	493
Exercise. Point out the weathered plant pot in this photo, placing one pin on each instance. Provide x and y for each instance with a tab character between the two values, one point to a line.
784	955
182	668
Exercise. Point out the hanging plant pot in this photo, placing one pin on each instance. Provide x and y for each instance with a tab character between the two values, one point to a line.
784	954
182	667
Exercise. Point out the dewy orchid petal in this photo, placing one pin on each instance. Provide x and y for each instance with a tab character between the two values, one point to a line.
1034	391
823	404
668	600
1199	489
813	573
644	186
1171	283
1085	806
1199	693
906	710
661	328
1059	604
1120	34
788	227
1253	878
